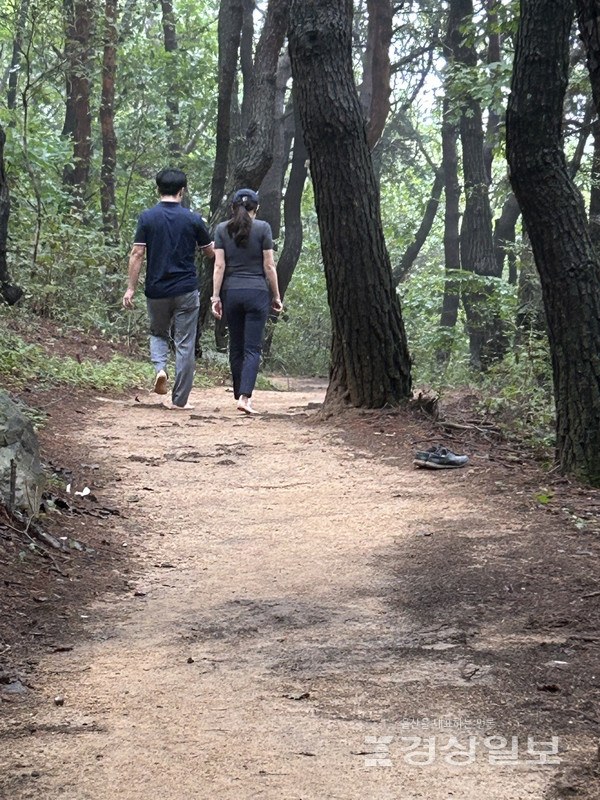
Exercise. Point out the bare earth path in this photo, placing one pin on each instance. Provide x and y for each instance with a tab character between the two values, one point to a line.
280	643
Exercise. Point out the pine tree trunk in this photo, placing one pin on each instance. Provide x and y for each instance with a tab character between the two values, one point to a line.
292	217
486	340
594	212
8	291
107	124
271	188
258	142
451	299
370	365
554	213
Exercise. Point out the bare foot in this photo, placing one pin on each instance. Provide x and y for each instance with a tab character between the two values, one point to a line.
174	407
245	405
160	382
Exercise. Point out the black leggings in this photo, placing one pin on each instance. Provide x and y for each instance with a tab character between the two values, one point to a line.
246	312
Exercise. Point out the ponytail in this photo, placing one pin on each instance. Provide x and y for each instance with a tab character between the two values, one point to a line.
240	225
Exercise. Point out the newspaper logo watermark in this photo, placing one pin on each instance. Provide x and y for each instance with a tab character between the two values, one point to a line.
384	751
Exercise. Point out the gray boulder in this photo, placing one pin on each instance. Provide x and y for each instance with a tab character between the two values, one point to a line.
19	443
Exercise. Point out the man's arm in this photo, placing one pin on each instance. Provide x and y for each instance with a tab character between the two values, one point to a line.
208	250
136	259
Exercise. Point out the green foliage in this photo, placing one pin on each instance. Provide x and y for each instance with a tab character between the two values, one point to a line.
22	363
302	336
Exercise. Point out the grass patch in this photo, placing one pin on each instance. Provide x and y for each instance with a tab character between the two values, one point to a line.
24	364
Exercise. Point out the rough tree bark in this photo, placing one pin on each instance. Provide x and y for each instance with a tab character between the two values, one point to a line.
594	208
107	124
554	213
451	298
9	292
271	187
370	365
292	219
486	340
258	143
79	52
588	15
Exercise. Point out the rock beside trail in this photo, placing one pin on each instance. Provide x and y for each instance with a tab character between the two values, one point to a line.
19	443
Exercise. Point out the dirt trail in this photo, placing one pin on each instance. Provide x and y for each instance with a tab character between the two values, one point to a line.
279	619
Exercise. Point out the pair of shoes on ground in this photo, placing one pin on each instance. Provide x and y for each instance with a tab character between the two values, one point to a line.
439	457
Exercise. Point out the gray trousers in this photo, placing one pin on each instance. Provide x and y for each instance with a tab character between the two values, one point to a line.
181	314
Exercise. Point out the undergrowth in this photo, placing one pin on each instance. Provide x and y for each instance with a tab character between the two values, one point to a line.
23	363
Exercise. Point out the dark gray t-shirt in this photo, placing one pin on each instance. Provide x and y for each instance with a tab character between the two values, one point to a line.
244	265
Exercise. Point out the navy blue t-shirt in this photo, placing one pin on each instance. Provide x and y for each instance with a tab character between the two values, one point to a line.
170	234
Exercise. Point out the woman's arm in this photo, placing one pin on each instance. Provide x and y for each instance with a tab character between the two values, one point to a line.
218	272
271	276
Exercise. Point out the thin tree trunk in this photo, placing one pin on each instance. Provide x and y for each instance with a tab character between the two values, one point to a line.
451	298
271	188
79	78
107	124
486	339
15	61
530	314
9	292
292	218
412	251
494	54
594	210
588	15
554	213
504	237
370	365
172	90
247	61
375	88
230	25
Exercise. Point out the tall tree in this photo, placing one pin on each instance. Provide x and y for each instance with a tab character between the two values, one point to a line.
554	213
172	91
78	121
370	365
476	243
375	88
107	123
8	291
229	30
15	62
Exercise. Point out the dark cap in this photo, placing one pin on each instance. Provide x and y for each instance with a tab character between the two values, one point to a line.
242	195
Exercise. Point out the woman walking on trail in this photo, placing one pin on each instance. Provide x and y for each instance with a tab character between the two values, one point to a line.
244	272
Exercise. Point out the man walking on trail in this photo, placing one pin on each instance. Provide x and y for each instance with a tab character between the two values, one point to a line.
168	234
